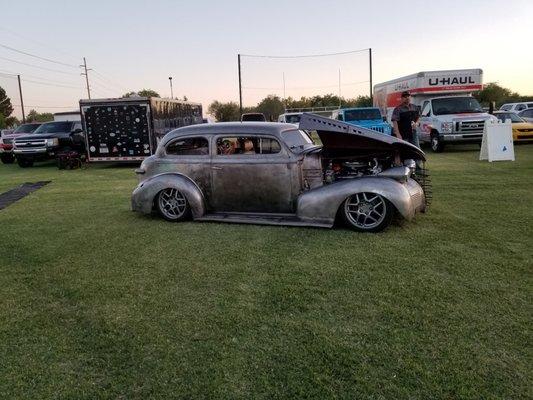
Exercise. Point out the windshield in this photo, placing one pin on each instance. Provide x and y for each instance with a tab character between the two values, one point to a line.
357	115
512	116
297	139
53	127
293	119
456	105
26	128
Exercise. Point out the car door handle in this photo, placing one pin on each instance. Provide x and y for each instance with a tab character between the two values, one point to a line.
217	168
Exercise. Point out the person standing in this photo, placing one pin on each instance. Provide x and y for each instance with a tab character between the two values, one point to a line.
405	118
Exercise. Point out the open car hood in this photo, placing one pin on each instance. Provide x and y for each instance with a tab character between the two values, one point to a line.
340	139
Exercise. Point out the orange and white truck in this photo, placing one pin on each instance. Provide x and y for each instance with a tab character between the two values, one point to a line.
448	112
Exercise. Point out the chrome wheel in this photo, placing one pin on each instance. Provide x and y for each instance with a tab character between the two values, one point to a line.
365	211
172	204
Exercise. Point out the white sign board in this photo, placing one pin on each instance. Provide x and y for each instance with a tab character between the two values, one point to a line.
497	142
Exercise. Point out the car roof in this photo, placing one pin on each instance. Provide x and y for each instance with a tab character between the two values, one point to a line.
236	128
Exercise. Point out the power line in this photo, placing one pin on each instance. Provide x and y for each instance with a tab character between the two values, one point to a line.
38	66
109	81
29	105
50	84
37	77
305	56
39	57
304	87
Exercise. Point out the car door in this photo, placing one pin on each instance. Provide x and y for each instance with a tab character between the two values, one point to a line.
251	173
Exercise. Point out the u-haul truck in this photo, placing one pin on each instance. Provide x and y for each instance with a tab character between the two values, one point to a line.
449	113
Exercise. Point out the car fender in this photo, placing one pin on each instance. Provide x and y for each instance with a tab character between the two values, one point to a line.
142	198
321	204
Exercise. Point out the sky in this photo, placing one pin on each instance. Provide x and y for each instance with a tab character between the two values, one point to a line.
135	44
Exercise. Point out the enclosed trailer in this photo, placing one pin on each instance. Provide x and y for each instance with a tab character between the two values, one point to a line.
128	129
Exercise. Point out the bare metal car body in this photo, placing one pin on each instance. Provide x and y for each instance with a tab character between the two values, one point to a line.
302	184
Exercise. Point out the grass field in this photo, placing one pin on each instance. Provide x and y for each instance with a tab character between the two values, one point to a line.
97	302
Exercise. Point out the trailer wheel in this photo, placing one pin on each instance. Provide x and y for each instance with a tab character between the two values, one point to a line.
172	205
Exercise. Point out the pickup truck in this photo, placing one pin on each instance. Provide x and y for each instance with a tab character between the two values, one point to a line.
6	140
49	140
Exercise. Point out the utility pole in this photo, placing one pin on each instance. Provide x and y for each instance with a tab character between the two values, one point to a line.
171	90
340	101
370	62
86	77
240	87
21	101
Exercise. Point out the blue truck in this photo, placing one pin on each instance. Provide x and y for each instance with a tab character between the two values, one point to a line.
366	117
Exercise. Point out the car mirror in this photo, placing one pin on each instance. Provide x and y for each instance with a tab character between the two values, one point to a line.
77	130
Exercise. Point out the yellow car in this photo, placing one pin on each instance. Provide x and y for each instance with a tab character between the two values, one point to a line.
522	130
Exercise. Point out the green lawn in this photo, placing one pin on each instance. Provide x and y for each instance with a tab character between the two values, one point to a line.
97	302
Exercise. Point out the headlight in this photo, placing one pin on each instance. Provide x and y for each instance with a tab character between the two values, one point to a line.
52	142
447	127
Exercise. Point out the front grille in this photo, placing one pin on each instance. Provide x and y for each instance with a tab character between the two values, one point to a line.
7	141
30	143
525	137
525	130
423	178
471	126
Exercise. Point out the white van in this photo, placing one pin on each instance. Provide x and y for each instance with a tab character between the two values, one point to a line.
516	107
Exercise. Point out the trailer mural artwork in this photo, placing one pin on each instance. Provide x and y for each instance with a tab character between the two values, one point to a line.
128	129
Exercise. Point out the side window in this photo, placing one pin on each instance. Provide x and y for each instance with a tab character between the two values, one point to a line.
197	146
520	107
505	107
233	145
425	109
340	117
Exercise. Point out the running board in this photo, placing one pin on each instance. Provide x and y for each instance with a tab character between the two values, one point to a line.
261	219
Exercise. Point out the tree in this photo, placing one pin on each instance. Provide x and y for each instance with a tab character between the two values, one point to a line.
362	101
271	106
493	92
34	116
142	93
6	108
224	112
500	95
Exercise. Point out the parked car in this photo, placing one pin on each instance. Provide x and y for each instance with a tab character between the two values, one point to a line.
6	141
290	118
366	117
516	107
522	130
527	115
273	173
48	140
259	117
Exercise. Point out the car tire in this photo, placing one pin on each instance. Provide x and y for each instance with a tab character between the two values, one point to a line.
7	158
436	143
367	212
25	162
172	205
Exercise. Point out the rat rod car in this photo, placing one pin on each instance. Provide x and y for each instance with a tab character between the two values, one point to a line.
273	173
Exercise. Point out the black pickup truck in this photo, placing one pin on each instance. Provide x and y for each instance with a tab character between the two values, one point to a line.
48	141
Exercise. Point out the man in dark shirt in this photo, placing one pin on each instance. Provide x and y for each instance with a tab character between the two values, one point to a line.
404	119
